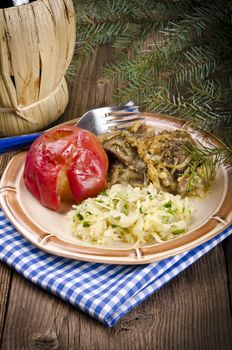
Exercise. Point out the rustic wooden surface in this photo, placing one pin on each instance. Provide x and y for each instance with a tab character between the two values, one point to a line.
193	311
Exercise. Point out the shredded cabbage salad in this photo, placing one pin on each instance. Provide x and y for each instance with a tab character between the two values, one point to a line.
131	214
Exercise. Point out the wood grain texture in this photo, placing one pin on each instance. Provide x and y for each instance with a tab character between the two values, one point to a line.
87	88
5	282
227	247
190	312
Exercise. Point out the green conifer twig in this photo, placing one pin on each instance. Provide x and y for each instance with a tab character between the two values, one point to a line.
186	72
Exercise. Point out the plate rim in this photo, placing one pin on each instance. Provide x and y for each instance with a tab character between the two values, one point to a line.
54	244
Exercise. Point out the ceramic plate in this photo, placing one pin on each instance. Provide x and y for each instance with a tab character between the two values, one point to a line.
49	230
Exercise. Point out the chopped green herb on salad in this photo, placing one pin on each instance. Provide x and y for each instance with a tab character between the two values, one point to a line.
129	214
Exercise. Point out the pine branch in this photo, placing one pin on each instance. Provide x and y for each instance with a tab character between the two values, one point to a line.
197	63
186	72
107	21
160	56
215	155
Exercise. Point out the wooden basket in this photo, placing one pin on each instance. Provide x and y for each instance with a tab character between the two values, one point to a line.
36	46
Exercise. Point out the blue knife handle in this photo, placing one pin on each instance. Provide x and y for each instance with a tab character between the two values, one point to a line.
13	143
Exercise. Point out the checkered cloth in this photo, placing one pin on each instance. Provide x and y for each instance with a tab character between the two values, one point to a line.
105	292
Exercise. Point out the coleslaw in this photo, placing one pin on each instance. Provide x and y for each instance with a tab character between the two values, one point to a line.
131	214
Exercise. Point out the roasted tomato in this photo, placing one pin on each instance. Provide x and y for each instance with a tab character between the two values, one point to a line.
65	164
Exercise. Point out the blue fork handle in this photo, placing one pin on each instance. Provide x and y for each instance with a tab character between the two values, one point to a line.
13	143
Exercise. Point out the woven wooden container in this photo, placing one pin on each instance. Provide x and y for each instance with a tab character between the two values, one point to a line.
36	46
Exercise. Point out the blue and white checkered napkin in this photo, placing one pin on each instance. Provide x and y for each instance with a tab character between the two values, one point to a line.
105	292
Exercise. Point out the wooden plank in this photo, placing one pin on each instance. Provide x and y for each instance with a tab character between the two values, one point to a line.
87	88
4	160
5	272
190	312
5	282
94	92
227	247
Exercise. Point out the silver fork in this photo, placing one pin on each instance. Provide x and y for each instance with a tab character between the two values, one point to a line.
102	120
98	121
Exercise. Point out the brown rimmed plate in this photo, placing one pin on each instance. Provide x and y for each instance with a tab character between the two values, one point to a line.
49	230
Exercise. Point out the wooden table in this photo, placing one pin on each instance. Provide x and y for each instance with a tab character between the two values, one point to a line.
193	311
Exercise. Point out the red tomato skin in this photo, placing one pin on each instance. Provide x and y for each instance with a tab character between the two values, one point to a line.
76	150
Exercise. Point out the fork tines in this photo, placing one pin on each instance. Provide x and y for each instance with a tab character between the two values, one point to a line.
122	118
